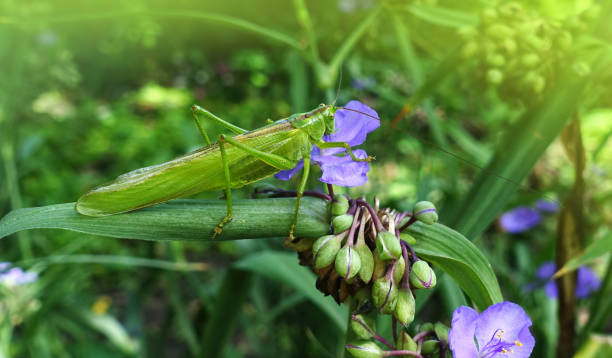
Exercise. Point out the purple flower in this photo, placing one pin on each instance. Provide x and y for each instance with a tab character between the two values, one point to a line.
337	166
519	219
4	266
17	277
501	329
586	283
547	206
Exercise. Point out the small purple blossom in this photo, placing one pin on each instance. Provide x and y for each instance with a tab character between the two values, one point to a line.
17	277
4	266
501	329
547	206
337	166
519	219
586	283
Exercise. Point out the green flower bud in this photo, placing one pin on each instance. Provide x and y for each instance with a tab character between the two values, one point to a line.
407	343
428	326
342	223
400	268
379	265
489	15
348	262
359	330
384	295
388	246
495	76
430	346
530	60
325	249
496	60
367	261
441	331
538	84
469	49
408	238
365	349
499	31
422	276
404	309
425	211
509	45
340	205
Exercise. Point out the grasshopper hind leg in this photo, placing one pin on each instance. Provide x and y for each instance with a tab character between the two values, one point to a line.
228	190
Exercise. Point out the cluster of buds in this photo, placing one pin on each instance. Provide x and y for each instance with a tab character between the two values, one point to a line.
517	52
431	341
368	255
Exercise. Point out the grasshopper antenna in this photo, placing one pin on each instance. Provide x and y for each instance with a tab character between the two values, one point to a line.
431	144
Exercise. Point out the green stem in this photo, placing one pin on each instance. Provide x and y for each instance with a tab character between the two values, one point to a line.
303	17
12	187
351	41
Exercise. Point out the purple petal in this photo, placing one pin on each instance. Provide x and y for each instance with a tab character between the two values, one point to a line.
4	266
519	219
16	277
527	344
506	319
461	335
546	270
288	174
587	282
547	206
353	127
344	171
551	289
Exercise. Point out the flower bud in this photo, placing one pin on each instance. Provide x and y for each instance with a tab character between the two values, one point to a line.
400	268
379	265
367	261
342	223
441	331
388	246
340	205
348	262
405	306
359	330
495	76
430	346
499	31
365	349
407	343
425	211
325	249
384	295
408	238
530	59
496	60
422	276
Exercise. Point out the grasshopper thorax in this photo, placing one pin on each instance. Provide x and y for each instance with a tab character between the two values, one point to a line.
316	123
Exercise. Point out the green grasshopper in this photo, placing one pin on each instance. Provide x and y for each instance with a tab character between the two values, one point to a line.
245	158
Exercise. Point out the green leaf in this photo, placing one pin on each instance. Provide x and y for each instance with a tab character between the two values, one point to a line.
442	16
180	220
596	347
594	250
284	267
460	259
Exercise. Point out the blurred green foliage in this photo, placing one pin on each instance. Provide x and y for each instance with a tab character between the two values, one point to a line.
90	90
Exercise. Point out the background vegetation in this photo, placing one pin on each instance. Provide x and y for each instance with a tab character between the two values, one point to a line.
473	96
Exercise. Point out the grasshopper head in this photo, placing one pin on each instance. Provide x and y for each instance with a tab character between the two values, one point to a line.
328	114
